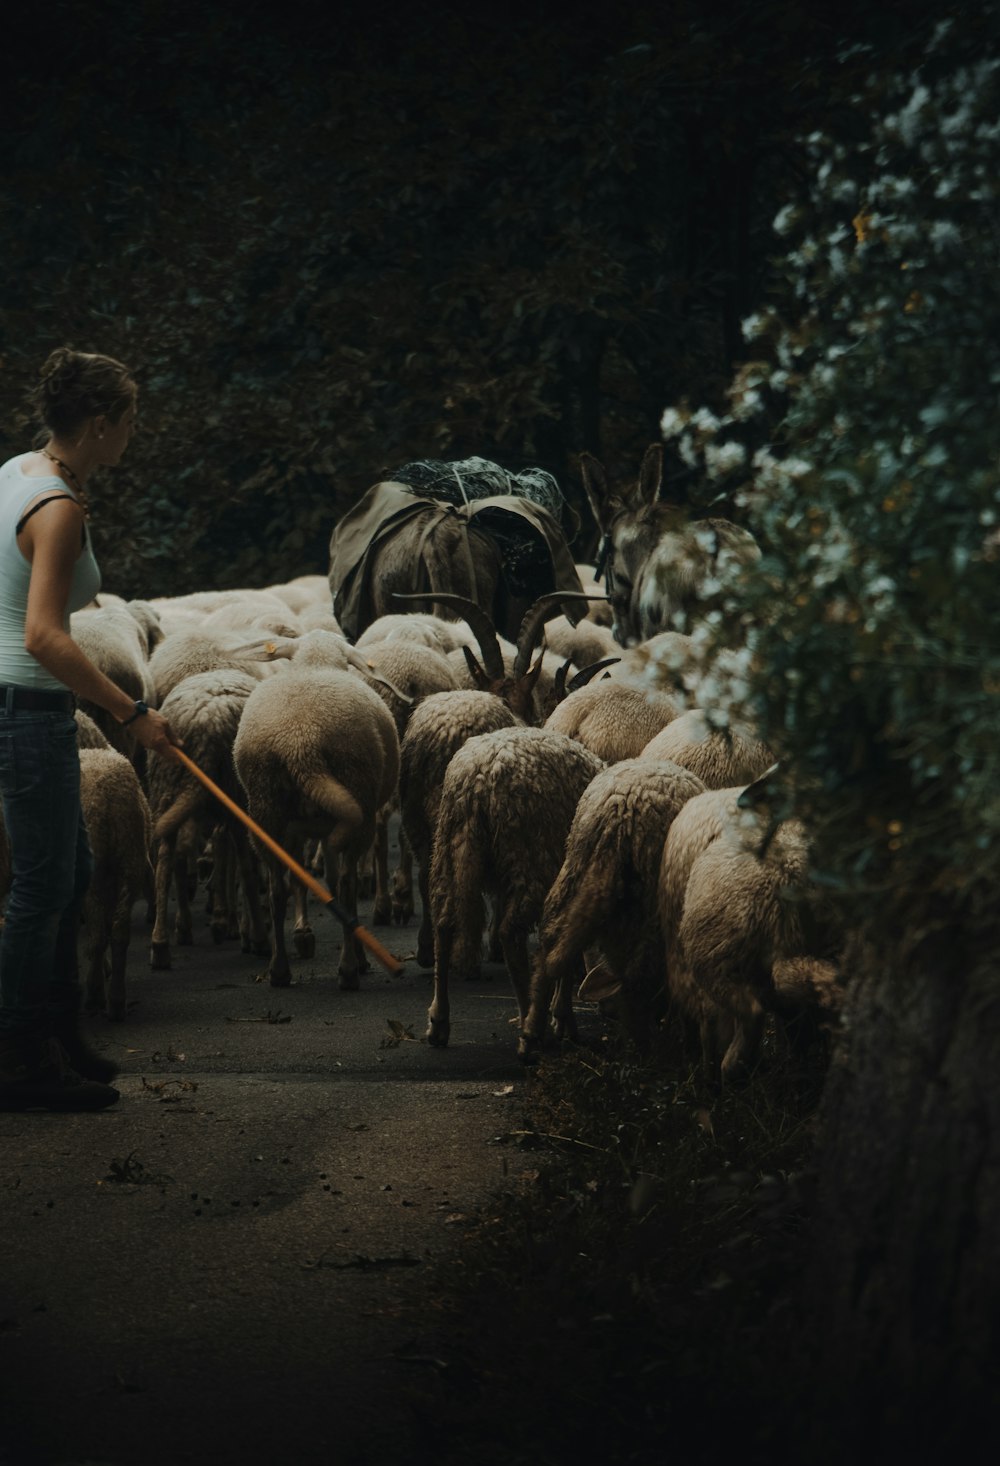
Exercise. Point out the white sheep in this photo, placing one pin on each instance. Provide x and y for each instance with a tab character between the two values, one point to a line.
118	824
737	939
113	639
612	719
506	807
721	757
440	725
605	896
318	756
204	711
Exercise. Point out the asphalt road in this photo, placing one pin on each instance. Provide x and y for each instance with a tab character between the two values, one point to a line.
235	1263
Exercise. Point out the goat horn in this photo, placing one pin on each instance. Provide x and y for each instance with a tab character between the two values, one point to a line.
586	674
482	627
529	632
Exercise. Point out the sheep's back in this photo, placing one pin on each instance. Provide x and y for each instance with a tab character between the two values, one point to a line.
721	758
613	720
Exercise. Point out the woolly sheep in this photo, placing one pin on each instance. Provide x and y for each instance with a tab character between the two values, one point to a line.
440	725
318	756
615	721
119	827
111	637
749	939
186	653
506	807
583	644
605	895
204	711
721	758
88	735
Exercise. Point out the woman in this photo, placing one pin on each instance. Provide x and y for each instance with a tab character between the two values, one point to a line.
87	404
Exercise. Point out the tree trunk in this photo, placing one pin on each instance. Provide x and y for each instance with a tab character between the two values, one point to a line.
903	1305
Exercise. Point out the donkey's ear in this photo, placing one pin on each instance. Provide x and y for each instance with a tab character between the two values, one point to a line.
595	486
647	490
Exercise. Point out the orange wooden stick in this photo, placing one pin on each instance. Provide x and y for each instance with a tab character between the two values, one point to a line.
389	962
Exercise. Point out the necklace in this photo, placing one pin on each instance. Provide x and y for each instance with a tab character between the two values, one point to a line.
69	472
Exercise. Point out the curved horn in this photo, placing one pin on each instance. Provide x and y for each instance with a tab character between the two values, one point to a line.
530	630
586	674
559	680
482	627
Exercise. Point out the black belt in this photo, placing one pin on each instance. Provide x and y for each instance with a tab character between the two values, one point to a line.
35	700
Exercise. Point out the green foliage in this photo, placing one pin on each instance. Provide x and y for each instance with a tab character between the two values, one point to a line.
869	423
328	248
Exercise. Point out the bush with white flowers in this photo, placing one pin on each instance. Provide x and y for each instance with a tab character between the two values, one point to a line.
874	486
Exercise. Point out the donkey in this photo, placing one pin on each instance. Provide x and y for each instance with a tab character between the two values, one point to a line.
500	552
661	568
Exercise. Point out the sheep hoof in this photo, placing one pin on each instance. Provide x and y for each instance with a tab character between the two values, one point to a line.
280	979
401	912
425	955
159	956
438	1033
349	982
304	943
382	912
528	1048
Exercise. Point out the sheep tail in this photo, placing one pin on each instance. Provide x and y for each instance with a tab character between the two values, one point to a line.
331	796
186	804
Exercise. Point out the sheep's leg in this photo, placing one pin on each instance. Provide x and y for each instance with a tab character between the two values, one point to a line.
382	910
218	882
92	944
494	949
514	940
279	971
114	992
352	958
183	924
254	939
402	884
439	1012
159	950
744	1049
303	936
425	936
561	1006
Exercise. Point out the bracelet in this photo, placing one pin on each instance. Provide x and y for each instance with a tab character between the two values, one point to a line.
140	711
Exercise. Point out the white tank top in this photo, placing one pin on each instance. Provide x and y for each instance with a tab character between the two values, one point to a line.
17	490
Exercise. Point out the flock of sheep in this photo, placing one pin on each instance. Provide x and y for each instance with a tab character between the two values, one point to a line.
591	808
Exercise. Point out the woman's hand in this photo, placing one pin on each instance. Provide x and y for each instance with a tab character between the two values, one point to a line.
154	732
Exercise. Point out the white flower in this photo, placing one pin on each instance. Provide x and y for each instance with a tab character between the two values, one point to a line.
785	219
755	325
672	422
722	458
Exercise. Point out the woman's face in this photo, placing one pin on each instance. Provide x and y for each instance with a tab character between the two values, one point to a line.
113	438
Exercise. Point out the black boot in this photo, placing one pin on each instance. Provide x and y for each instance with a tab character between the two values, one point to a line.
82	1058
34	1075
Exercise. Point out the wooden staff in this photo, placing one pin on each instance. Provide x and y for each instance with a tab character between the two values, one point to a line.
375	947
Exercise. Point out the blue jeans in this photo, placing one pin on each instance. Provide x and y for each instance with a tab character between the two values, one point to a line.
51	865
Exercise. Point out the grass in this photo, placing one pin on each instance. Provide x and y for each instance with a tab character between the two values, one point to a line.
634	1288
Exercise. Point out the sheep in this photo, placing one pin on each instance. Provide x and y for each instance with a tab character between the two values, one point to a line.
253	612
506	807
418	626
733	944
721	757
119	826
303	594
112	638
614	720
183	654
583	644
88	735
436	739
419	672
204	711
605	895
318	755
441	725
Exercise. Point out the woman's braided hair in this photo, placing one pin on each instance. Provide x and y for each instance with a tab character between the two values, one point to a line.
77	385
